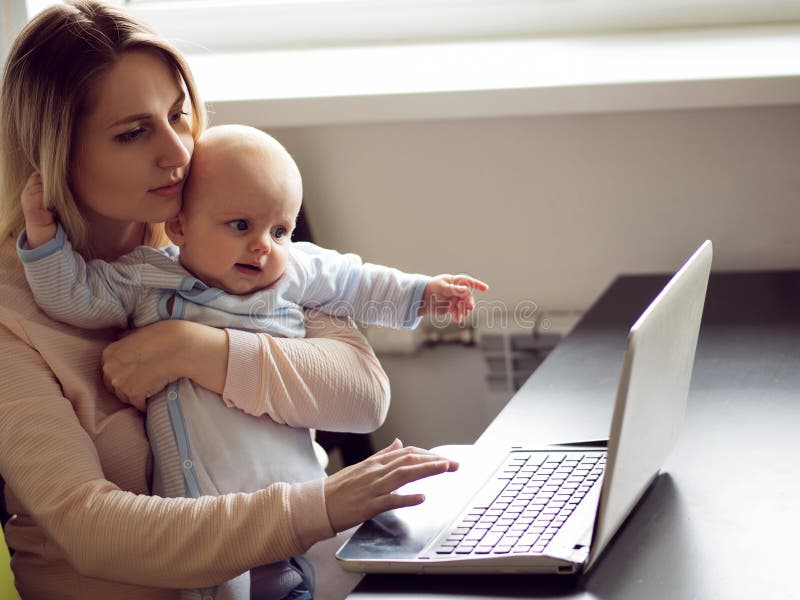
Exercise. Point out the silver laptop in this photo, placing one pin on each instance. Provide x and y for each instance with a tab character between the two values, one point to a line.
554	509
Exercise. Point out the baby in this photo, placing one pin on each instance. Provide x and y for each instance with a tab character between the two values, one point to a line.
232	265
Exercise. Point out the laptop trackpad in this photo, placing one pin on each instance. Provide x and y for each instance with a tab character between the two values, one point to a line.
403	533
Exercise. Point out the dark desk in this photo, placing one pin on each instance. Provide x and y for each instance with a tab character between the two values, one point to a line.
723	521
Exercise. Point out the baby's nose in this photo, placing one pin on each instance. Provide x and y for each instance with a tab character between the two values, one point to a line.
262	244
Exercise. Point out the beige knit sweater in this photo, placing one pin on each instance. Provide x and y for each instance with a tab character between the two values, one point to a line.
76	461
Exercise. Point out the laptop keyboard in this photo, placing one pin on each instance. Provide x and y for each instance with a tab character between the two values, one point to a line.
525	505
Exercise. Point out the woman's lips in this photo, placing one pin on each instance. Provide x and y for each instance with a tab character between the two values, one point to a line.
168	191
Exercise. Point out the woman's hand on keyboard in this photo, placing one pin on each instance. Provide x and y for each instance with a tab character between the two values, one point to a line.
363	490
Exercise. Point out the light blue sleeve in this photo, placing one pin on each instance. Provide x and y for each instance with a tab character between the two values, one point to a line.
343	285
92	295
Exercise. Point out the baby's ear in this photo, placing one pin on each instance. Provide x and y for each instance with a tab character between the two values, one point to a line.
174	230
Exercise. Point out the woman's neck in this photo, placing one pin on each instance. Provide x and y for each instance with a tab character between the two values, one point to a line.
109	239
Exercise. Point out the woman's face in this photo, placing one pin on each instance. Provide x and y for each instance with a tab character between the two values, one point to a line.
132	149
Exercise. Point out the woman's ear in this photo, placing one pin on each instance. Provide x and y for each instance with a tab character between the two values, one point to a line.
174	230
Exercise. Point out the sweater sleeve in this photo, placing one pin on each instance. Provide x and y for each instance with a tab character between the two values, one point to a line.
329	380
343	286
52	466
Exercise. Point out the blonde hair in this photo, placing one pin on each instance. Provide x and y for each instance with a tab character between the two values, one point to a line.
48	75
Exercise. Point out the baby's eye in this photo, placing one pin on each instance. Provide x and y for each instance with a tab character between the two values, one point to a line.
279	232
238	224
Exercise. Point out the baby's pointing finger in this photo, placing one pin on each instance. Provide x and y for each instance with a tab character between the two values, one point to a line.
470	282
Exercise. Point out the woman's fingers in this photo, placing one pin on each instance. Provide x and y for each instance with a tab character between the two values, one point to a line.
116	386
394	457
395	501
121	379
363	490
399	476
393	446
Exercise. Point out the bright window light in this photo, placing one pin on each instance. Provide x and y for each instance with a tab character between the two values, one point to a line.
242	25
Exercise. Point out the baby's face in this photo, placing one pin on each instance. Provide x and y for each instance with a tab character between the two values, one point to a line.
239	211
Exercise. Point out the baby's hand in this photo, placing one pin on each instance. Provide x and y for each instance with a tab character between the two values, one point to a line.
40	224
450	295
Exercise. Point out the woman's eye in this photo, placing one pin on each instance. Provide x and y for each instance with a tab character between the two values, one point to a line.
177	116
279	232
130	136
238	224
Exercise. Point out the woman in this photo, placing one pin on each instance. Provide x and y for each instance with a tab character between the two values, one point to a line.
95	102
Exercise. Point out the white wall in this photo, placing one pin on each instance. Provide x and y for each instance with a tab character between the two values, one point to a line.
13	14
548	209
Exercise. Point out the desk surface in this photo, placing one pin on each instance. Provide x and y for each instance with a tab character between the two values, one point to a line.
722	521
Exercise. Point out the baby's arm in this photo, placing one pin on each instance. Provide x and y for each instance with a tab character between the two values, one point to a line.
40	224
94	295
341	285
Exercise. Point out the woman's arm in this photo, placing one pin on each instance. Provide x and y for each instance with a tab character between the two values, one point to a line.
55	472
330	380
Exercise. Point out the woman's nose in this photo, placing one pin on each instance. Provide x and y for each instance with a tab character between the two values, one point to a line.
175	151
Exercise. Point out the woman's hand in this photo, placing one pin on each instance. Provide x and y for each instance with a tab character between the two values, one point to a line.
364	490
145	360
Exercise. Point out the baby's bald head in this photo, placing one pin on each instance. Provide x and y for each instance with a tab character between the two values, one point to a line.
231	160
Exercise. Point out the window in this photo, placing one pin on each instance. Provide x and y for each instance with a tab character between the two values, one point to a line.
240	25
644	55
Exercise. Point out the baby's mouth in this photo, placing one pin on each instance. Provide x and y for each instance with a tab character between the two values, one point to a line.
247	267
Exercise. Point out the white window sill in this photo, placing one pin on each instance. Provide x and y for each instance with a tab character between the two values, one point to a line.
627	72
